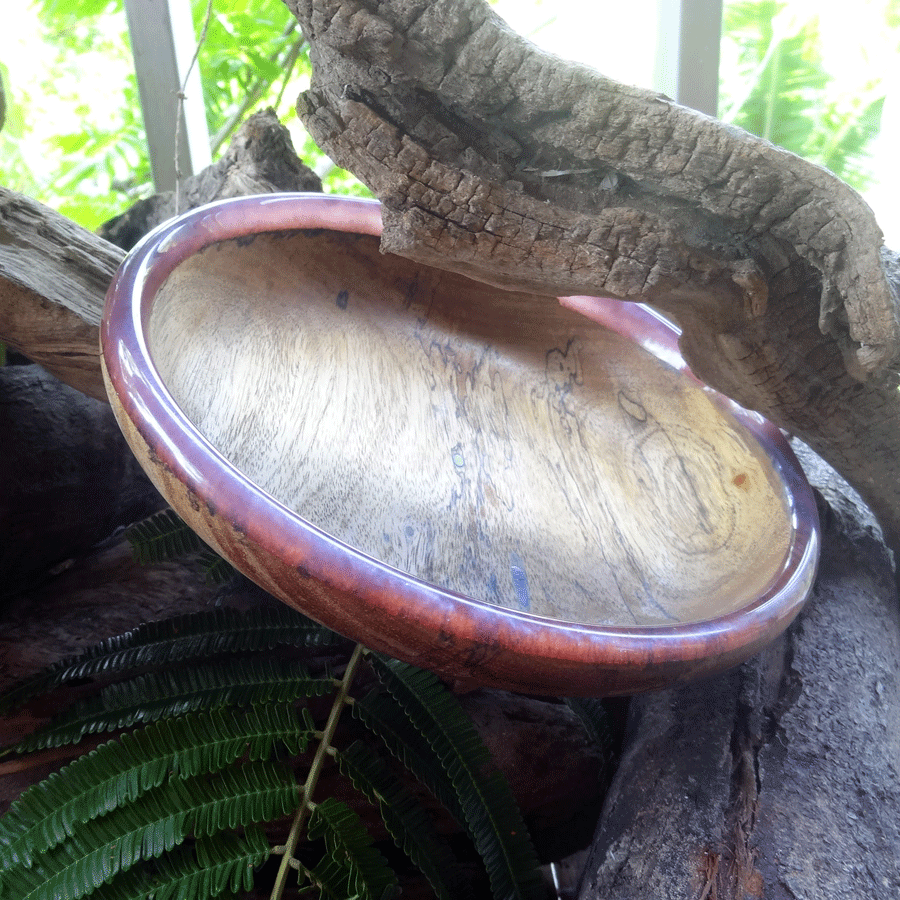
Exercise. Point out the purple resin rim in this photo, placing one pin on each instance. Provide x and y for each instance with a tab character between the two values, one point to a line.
395	612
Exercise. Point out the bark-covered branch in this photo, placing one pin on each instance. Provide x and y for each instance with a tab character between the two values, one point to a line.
515	167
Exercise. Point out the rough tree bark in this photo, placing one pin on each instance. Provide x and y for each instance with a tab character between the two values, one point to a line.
780	779
513	166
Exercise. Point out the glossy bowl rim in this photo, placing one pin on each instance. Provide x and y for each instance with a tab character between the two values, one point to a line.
138	394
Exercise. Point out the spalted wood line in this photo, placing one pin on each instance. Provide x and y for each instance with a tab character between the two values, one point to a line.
779	779
54	274
515	167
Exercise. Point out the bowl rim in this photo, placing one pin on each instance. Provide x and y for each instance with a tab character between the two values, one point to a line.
143	404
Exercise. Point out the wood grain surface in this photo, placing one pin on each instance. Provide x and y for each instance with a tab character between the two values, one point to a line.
492	443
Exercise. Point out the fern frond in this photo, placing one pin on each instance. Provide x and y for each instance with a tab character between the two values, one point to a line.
378	711
218	864
491	816
164	817
221	867
174	692
178	640
217	569
162	537
352	867
119	772
405	818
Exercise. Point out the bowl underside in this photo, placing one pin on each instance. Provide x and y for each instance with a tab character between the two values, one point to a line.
491	443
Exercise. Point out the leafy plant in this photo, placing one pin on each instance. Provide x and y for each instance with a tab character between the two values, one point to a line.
179	804
776	85
73	143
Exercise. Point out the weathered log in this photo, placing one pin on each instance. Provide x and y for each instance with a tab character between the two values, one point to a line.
53	277
54	274
508	164
69	479
778	780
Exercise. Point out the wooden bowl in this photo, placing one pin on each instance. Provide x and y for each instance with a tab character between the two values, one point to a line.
488	484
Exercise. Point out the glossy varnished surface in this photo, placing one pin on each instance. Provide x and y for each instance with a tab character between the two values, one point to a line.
486	483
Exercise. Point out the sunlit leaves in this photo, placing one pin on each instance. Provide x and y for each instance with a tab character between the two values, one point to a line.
776	84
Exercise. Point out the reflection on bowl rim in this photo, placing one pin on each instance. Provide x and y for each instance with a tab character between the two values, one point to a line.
369	601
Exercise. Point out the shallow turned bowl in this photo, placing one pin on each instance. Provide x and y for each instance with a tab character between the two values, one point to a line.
503	488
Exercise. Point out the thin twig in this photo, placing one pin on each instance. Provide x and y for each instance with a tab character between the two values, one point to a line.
179	106
258	90
315	769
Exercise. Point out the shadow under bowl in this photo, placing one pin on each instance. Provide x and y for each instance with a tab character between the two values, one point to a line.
505	489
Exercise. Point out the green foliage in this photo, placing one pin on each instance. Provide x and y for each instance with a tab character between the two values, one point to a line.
174	807
163	819
73	143
351	867
164	536
404	817
120	772
778	86
187	638
173	692
489	812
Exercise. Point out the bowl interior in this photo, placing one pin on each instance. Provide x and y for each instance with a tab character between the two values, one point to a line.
492	443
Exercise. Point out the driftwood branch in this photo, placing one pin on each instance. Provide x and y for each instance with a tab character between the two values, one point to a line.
53	277
515	167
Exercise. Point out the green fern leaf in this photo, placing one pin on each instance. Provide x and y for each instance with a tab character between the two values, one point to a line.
221	864
220	867
217	569
384	718
352	867
119	772
162	537
175	692
405	818
177	640
491	815
164	817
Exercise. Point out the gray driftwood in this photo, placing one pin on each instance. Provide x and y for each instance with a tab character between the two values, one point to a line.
68	476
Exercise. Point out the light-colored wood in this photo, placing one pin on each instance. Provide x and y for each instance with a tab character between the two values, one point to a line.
53	275
492	443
